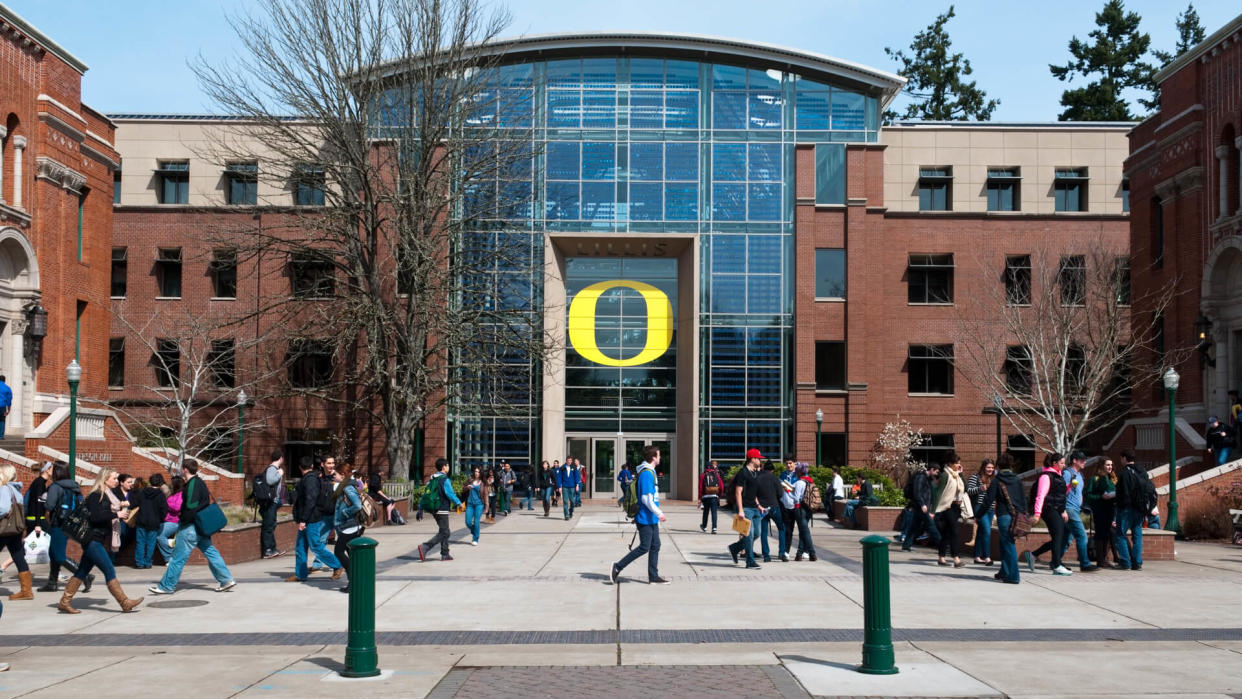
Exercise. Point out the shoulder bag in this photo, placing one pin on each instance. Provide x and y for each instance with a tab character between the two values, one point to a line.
13	523
77	524
1020	523
210	519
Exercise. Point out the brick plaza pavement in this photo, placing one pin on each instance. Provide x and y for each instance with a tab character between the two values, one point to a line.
529	612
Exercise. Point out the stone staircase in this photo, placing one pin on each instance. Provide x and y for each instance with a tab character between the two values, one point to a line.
17	445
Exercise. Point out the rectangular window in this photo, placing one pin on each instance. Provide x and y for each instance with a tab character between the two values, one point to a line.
930	278
1072	278
1018	280
1019	369
1022	448
242	183
116	186
116	362
224	274
1069	189
1157	234
830	366
167	363
830	173
308	186
311	276
933	449
81	216
120	272
1125	195
834	449
935	188
1121	280
221	362
173	180
310	363
830	273
1003	189
168	272
1075	370
930	369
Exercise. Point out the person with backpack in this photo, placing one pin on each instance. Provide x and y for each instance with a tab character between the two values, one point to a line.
711	485
802	495
152	509
567	479
623	482
437	496
309	497
194	499
268	489
12	512
1136	496
63	497
101	515
1004	495
744	486
647	519
1048	496
348	503
769	495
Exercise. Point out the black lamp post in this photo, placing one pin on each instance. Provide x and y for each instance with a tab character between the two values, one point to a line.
73	374
819	434
1171	380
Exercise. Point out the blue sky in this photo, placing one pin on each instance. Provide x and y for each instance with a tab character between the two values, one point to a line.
137	50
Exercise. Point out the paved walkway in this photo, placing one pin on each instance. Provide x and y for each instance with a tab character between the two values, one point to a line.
529	612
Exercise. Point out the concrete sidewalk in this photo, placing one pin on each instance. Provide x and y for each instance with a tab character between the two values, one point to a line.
529	612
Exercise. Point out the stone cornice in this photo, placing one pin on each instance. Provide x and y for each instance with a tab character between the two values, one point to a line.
59	174
101	157
1187	180
62	126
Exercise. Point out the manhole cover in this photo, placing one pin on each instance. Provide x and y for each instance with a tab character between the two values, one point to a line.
178	603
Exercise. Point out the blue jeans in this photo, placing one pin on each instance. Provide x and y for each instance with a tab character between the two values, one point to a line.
805	545
94	555
309	539
649	544
983	536
1129	520
189	539
577	497
144	547
773	515
56	548
747	543
1076	529
1222	454
474	513
849	512
168	531
918	523
529	500
567	501
1008	550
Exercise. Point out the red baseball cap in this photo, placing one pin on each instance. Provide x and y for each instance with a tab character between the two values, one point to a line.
753	454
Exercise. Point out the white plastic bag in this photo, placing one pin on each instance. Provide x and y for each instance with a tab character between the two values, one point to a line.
37	544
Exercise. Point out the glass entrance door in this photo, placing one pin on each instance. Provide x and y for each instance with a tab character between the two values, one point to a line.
603	455
603	466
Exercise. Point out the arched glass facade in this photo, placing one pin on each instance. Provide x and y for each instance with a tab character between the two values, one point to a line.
650	145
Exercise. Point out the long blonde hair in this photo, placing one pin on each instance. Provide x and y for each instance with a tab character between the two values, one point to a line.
101	483
7	473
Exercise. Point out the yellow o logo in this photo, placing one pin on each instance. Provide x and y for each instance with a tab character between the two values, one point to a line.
582	323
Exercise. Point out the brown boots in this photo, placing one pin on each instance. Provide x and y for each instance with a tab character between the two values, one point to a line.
127	604
71	589
114	586
27	591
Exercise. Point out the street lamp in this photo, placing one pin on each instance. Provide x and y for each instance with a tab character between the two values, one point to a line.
819	434
241	427
73	374
1171	380
997	403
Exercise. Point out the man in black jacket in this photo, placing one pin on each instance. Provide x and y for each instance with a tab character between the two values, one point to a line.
306	500
921	506
194	499
1132	508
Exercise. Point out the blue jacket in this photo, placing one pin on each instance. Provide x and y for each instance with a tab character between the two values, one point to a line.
1073	494
6	396
348	505
567	477
649	507
625	477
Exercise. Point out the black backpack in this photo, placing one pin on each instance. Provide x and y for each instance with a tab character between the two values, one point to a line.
260	491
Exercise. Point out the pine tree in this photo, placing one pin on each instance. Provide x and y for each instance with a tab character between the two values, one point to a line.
935	79
1114	58
1189	34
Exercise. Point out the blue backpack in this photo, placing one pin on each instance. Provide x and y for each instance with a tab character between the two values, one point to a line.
69	502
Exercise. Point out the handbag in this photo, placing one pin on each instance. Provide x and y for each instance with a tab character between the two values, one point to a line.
77	524
1020	524
741	525
210	519
13	523
133	517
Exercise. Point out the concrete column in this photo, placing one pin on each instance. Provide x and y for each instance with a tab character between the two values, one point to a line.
19	145
554	324
1237	144
1222	160
17	361
4	131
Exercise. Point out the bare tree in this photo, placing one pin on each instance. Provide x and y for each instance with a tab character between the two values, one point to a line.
1060	349
394	116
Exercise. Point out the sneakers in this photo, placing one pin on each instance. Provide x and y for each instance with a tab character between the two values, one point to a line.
421	556
446	557
659	581
753	566
474	543
733	552
713	531
1091	568
273	554
703	528
613	573
784	558
225	587
157	590
1030	560
1062	570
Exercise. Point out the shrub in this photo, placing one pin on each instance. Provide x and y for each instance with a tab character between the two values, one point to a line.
1206	518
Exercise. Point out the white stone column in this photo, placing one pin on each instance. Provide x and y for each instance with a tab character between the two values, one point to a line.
19	145
1237	144
17	354
1222	160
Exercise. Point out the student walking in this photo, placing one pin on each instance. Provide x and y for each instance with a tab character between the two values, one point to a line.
506	479
440	497
920	491
94	552
745	486
476	495
345	517
531	481
711	485
1075	485
951	503
769	496
567	479
269	501
647	520
310	497
194	499
63	497
1134	501
10	496
152	509
547	484
624	478
172	520
1005	495
977	488
802	513
1050	489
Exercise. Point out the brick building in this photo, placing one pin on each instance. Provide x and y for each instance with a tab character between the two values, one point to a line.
806	256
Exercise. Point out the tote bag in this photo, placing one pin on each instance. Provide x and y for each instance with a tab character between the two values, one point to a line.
210	519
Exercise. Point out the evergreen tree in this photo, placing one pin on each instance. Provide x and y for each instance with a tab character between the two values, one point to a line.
1189	34
936	79
1115	58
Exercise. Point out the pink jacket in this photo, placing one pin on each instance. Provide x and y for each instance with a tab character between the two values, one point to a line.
174	509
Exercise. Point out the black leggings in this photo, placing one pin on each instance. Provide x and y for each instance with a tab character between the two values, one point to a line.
946	524
342	547
17	550
1102	523
1056	536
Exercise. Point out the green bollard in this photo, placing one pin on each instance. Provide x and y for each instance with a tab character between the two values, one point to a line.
361	657
877	650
